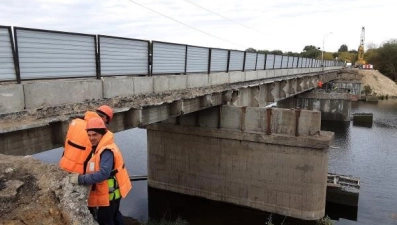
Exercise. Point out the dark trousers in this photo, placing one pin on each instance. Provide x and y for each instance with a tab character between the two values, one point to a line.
108	215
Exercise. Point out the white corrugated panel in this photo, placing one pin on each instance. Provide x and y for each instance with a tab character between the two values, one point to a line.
218	60
250	61
55	55
277	61
197	59
269	61
120	56
284	63
290	61
7	66
260	64
303	62
236	60
168	58
295	65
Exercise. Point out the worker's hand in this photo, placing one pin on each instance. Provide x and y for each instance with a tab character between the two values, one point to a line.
74	178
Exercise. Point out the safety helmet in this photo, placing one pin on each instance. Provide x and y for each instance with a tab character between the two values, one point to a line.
95	123
107	111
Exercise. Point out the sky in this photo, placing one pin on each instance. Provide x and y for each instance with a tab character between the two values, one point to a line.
286	25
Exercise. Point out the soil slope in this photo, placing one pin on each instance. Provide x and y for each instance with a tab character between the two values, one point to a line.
380	84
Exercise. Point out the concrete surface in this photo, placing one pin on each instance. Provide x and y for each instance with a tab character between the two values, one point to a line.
197	80
118	86
218	78
143	85
57	92
277	173
11	98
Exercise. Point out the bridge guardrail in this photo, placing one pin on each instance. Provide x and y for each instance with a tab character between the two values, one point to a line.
44	54
7	55
123	56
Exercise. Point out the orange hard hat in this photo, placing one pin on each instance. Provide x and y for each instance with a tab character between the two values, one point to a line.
95	123
107	111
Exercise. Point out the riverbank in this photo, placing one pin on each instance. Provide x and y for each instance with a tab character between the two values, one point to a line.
379	83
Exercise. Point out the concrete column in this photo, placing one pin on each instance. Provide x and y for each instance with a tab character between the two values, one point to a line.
283	171
300	84
278	92
294	86
289	89
265	94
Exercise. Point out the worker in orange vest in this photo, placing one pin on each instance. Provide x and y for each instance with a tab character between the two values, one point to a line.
107	174
319	84
77	144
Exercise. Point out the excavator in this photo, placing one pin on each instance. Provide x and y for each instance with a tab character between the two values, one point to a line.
360	60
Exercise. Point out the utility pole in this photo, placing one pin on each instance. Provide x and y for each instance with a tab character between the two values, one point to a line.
322	52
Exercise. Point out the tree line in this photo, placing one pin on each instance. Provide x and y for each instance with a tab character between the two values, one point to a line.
383	57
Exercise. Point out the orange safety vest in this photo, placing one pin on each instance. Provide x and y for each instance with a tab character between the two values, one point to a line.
99	194
77	145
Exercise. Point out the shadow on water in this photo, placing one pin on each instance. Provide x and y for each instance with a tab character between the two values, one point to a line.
337	211
198	211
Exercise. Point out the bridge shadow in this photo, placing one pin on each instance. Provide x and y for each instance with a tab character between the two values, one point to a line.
197	211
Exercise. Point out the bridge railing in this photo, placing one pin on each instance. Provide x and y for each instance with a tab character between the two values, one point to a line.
31	54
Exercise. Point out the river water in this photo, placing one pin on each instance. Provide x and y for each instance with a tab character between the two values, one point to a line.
367	152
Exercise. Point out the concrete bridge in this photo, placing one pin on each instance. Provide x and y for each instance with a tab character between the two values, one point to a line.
216	139
44	107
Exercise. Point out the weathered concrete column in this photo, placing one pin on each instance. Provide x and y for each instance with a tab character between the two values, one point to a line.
268	159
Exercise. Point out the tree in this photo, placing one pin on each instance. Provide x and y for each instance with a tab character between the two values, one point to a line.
309	48
343	48
311	51
388	54
263	51
250	50
384	58
292	54
276	52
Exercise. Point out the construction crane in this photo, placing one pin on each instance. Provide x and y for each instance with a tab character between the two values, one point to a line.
360	59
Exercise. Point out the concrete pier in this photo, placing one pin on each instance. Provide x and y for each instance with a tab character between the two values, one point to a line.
273	160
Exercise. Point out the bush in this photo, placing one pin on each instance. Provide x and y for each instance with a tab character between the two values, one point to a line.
367	90
325	221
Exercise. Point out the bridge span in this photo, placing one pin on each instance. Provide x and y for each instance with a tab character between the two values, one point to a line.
45	107
210	133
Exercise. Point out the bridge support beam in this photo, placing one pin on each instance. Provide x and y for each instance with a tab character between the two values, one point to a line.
273	160
333	106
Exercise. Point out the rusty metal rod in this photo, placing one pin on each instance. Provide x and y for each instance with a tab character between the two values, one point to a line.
297	115
269	120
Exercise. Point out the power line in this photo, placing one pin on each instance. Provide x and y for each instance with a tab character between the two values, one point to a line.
250	28
168	17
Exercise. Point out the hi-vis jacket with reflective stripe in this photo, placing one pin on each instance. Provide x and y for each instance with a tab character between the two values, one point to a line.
99	194
77	145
